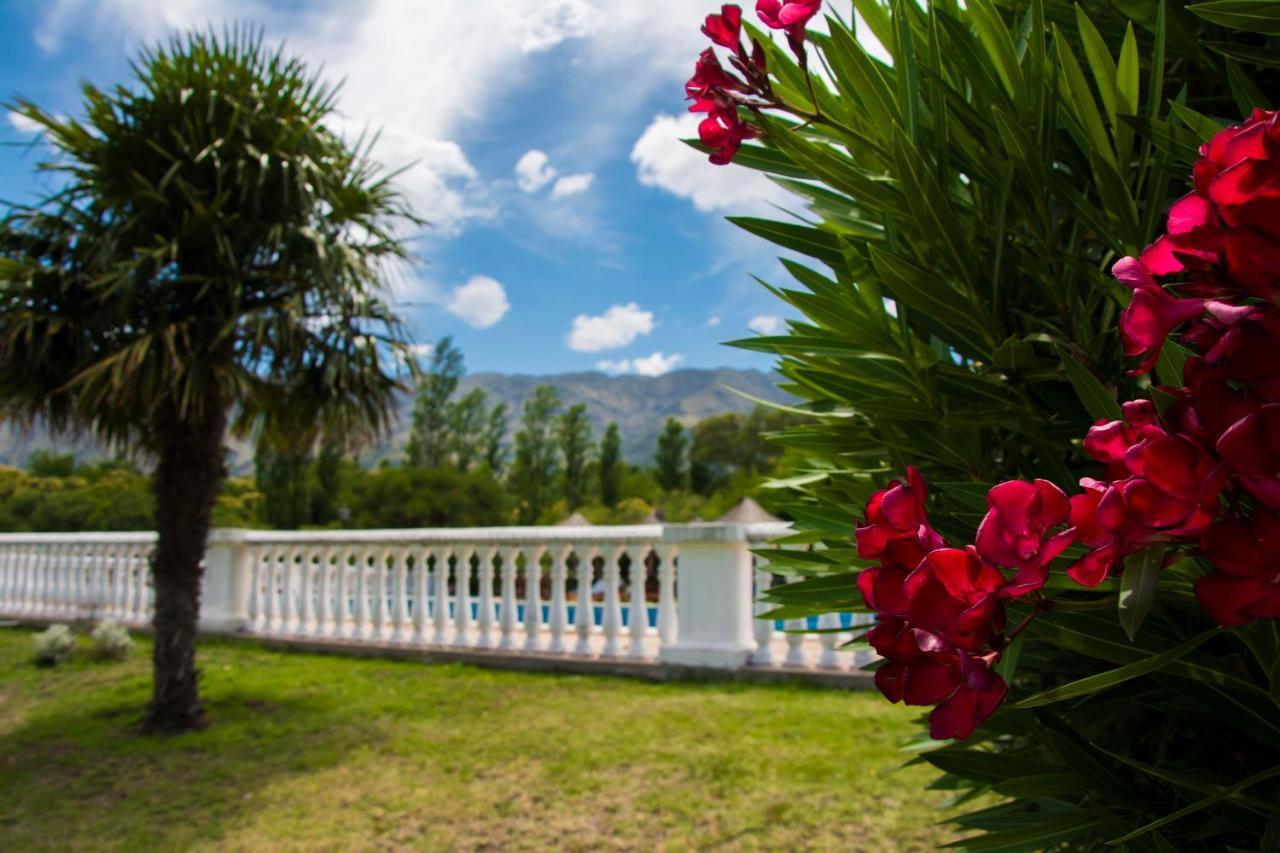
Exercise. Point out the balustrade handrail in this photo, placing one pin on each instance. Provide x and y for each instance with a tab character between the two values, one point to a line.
138	537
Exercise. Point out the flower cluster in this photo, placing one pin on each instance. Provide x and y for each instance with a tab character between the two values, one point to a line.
1204	476
720	93
941	610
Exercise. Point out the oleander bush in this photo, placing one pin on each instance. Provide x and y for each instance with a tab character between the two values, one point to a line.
1103	657
53	645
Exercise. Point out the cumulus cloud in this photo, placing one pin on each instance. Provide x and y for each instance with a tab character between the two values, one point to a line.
534	171
655	364
421	350
664	161
481	302
616	327
22	124
713	321
767	324
572	185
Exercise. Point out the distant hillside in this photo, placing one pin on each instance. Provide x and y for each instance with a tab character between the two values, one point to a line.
639	404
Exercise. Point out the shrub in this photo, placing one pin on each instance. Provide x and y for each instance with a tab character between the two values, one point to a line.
967	201
53	645
111	641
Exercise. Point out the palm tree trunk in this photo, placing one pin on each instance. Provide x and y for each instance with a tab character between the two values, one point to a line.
188	477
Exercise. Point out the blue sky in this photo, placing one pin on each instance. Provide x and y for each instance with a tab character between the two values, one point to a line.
571	230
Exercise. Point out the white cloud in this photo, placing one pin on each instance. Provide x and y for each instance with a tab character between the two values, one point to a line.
767	324
534	171
655	364
22	124
664	161
713	321
616	327
572	185
422	350
481	302
126	20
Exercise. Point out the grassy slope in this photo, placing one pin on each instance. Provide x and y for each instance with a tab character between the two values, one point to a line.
311	751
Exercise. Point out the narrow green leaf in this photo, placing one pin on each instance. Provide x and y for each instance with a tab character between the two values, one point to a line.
1138	587
1098	401
804	239
1254	16
1110	678
1244	784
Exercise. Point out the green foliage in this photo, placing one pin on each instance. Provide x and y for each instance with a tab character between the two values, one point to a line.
105	496
430	436
280	471
420	497
573	434
671	459
610	467
495	431
466	429
212	245
963	205
536	465
723	445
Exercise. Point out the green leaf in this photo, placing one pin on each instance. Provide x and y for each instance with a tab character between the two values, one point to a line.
1104	680
1244	784
804	239
1098	401
1254	16
1138	587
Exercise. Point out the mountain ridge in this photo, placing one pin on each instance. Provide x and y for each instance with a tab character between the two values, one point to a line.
640	405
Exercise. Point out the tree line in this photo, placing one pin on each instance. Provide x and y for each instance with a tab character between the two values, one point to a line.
459	468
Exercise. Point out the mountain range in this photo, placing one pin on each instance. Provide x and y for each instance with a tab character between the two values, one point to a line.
640	405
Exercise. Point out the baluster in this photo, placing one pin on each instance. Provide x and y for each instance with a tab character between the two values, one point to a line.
360	586
484	615
507	618
559	617
93	580
611	621
307	584
292	592
440	612
462	595
638	614
6	560
22	594
795	639
35	558
128	582
145	555
271	588
866	655
344	556
319	627
110	581
397	575
533	599
382	613
829	659
763	629
54	564
258	602
584	615
421	595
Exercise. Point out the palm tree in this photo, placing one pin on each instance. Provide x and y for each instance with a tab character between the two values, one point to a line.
213	260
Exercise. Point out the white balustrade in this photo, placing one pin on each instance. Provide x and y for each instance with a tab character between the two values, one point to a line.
689	592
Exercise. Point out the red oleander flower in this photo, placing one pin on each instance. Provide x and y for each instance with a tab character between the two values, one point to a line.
924	669
1173	491
1246	585
725	29
1151	315
1108	441
1106	547
980	693
882	590
1013	532
724	131
791	16
1232	219
897	528
1241	340
1251	451
954	593
1209	403
710	85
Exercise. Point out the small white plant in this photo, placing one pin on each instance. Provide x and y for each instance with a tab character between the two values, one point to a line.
111	641
54	645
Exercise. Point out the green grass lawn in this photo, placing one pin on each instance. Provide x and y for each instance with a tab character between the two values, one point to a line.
315	752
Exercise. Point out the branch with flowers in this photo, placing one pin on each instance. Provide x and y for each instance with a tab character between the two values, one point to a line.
967	202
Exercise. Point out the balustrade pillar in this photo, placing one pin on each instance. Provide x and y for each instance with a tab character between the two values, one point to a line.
714	613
